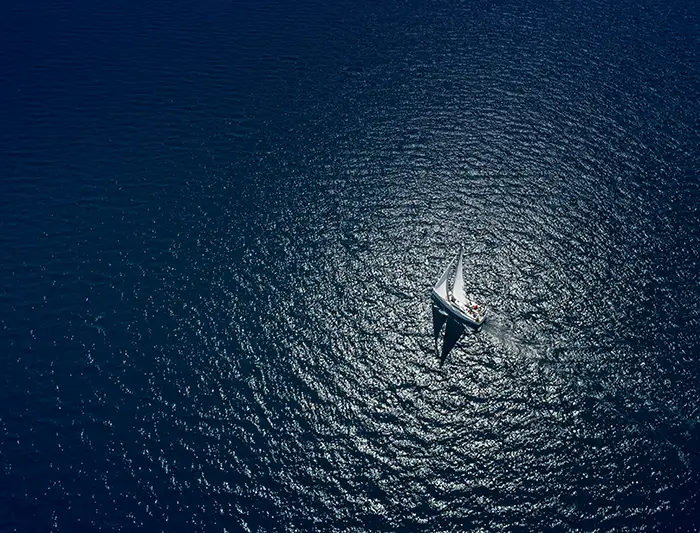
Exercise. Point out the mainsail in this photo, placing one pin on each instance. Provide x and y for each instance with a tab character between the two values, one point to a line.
441	286
458	289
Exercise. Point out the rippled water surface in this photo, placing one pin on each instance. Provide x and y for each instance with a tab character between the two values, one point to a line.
220	223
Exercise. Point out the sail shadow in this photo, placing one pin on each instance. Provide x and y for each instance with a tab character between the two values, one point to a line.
439	319
453	332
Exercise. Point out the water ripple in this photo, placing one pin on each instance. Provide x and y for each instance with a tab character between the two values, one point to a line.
221	321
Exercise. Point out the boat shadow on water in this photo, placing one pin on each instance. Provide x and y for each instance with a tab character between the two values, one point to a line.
454	330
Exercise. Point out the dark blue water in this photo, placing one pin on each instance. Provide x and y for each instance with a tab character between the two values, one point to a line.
220	222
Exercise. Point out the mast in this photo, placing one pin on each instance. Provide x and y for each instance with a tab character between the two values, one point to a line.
441	286
458	289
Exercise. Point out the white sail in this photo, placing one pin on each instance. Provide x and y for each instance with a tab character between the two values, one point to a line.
441	286
456	307
458	289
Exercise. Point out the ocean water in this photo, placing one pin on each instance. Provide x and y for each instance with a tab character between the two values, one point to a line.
220	222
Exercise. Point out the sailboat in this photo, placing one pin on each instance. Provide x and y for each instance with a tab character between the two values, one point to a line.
454	303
